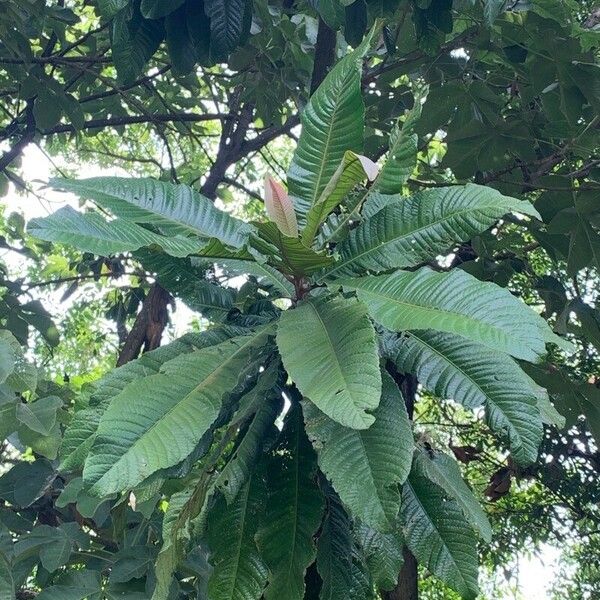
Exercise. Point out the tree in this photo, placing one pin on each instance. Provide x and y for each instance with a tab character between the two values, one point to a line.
374	254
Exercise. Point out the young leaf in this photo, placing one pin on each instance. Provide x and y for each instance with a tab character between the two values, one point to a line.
366	466
353	169
426	299
408	231
437	533
279	207
328	347
157	421
292	514
288	254
453	367
332	123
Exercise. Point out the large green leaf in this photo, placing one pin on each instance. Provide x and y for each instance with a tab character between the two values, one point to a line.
175	209
353	169
292	514
329	349
366	466
332	123
445	472
40	415
411	230
455	302
239	572
453	367
402	156
334	552
90	232
81	432
437	533
155	422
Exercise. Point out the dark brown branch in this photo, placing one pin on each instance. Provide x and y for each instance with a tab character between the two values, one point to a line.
324	54
149	325
133	119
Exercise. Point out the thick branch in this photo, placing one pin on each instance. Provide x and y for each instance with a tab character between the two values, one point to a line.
324	54
133	119
149	325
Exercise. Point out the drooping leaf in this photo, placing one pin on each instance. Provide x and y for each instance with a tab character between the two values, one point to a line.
157	421
81	432
279	207
455	302
25	482
181	45
239	571
332	123
239	468
353	169
453	367
408	231
366	466
443	470
383	554
334	552
402	156
336	366
292	514
438	534
175	531
90	232
264	273
175	209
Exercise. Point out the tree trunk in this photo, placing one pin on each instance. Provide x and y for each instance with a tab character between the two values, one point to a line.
408	580
407	587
